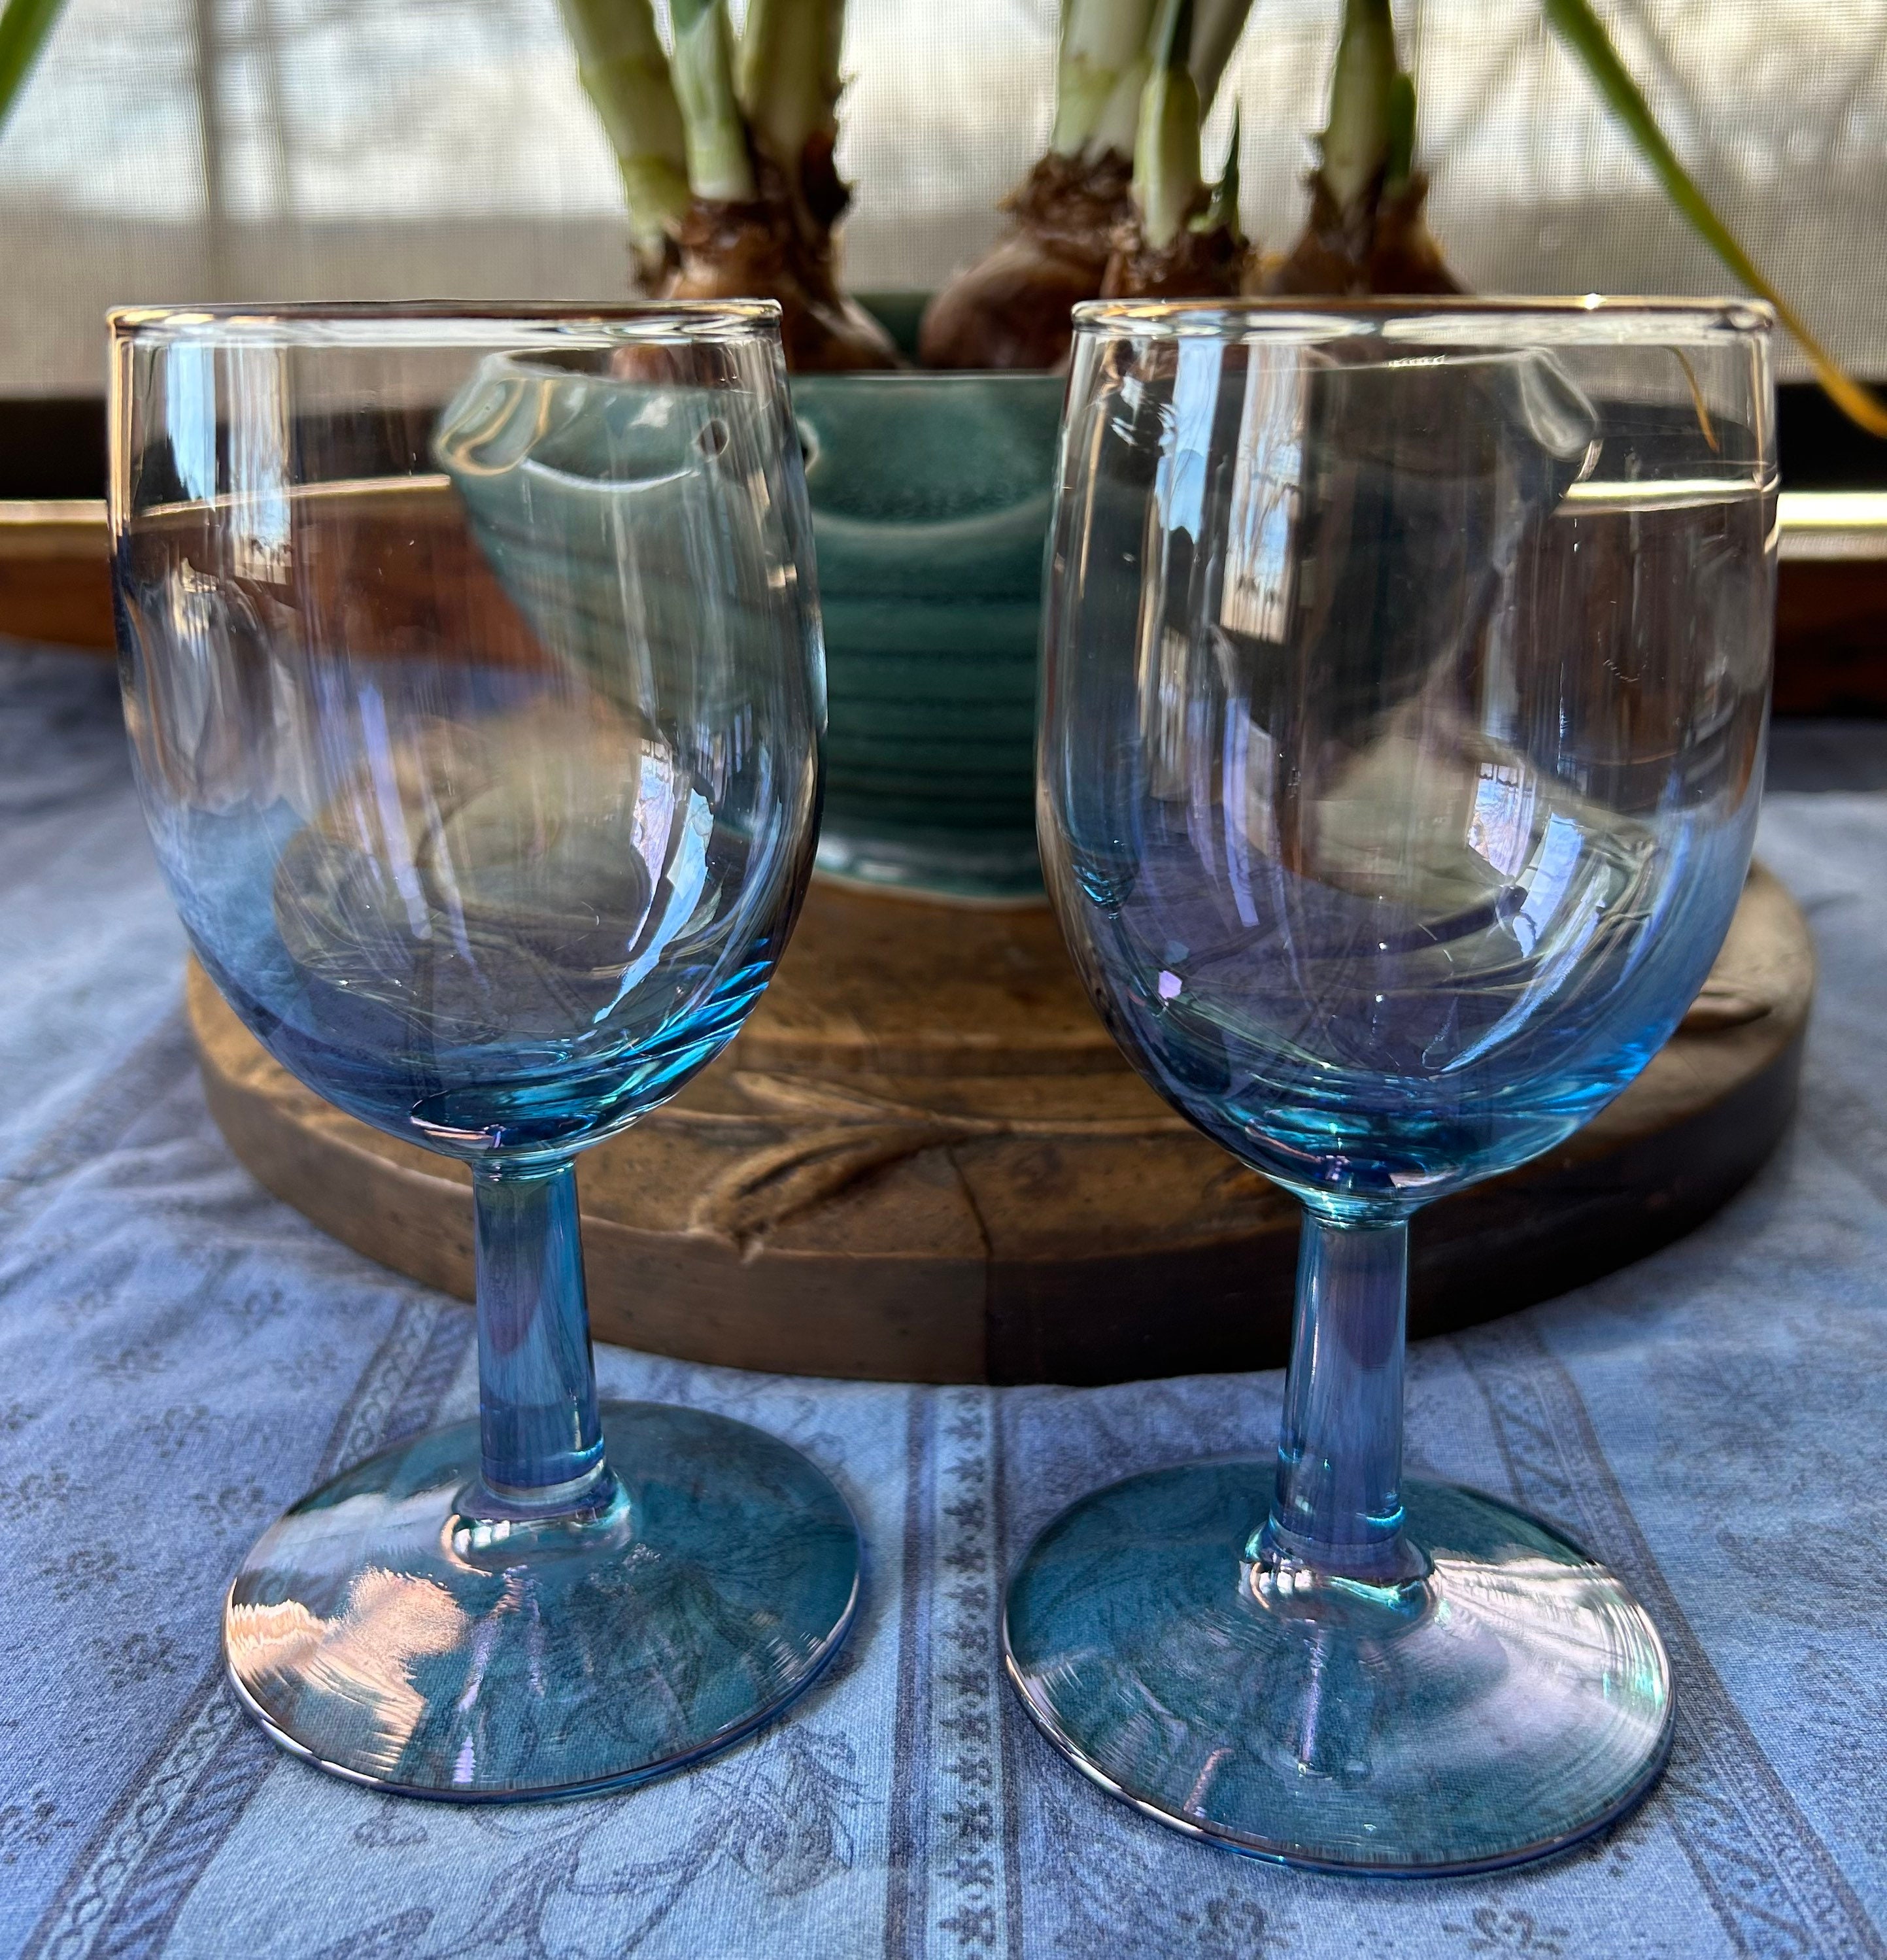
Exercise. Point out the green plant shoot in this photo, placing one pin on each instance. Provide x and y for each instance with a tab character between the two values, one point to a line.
24	25
719	168
625	75
1579	28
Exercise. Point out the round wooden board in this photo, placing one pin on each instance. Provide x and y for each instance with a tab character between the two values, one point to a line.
923	1159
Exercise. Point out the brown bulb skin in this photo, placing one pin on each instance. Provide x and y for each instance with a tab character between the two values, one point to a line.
739	251
1380	246
1011	308
778	245
1194	265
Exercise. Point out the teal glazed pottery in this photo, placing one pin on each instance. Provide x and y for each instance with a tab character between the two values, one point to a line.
587	499
931	495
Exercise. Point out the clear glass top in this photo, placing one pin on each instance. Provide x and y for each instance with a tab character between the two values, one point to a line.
434	323
1495	320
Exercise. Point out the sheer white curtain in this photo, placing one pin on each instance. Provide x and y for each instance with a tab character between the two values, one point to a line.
179	149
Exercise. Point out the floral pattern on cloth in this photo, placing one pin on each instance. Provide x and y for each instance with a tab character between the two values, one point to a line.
181	1355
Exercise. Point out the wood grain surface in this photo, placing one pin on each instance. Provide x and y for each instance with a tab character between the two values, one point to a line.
924	1159
1831	593
55	573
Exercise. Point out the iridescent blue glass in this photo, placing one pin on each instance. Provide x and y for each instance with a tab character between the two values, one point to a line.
472	665
1405	677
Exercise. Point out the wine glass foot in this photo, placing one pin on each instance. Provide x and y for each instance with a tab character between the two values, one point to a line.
1514	1700
388	1635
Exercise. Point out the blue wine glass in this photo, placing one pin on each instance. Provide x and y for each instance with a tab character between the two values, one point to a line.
1406	670
472	668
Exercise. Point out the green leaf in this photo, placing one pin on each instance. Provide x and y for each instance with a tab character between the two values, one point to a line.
24	24
1579	28
701	68
786	74
622	69
1173	34
1099	73
1222	214
1401	154
1166	174
1356	139
1217	26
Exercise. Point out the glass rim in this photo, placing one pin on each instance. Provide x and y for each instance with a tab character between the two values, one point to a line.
1595	317
392	323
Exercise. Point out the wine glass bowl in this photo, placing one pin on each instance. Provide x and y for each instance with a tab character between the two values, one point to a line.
495	779
1398	884
486	781
1406	673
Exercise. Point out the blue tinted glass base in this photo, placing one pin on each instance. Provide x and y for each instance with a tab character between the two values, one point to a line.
389	1636
1515	1699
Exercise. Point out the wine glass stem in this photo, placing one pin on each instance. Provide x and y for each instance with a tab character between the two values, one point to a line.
540	1437
1337	1505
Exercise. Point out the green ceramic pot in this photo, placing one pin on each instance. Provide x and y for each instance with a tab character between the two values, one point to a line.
590	499
930	496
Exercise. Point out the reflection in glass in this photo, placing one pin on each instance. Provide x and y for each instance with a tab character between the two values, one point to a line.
472	669
1405	681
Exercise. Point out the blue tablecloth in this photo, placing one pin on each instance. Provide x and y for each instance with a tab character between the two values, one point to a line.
180	1356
